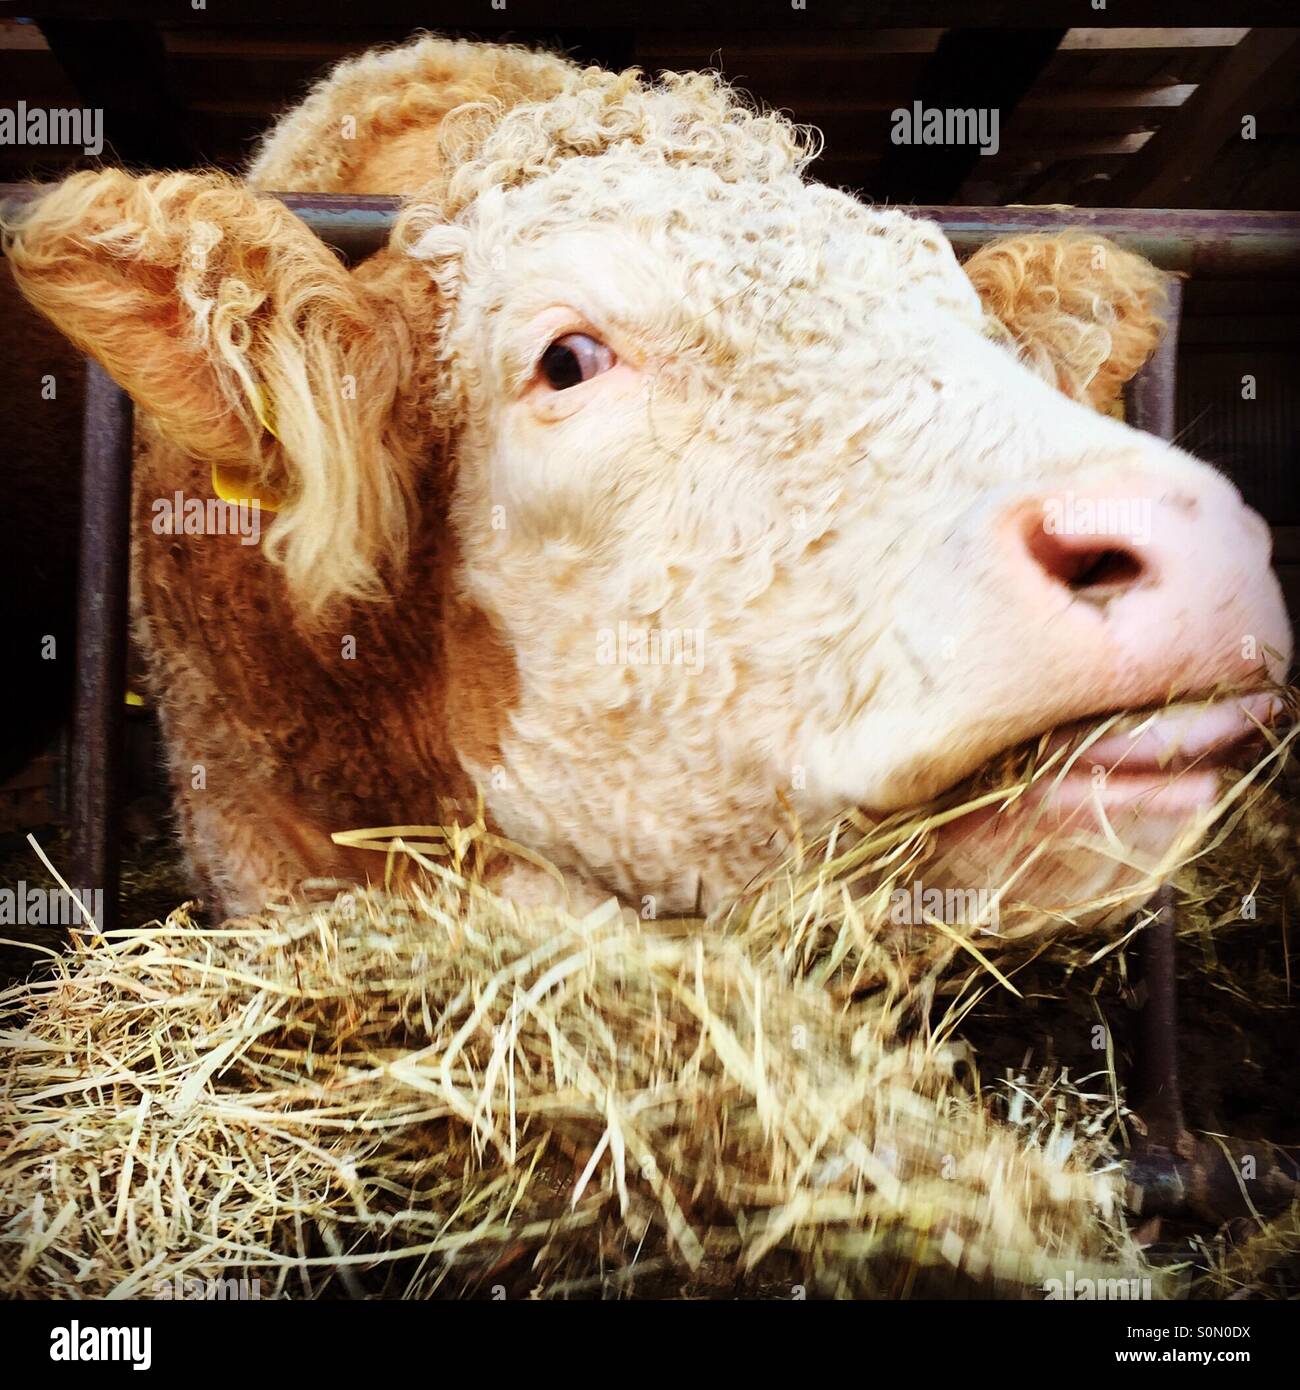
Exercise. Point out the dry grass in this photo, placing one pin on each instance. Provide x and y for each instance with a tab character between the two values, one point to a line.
433	1093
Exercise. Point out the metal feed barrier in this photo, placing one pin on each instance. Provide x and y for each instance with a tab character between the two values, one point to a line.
1170	1171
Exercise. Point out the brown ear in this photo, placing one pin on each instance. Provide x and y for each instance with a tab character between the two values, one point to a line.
251	346
1081	312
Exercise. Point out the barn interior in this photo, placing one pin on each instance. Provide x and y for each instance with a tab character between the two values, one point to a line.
1189	117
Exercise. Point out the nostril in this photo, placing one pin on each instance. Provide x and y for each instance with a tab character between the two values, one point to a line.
1099	568
1105	569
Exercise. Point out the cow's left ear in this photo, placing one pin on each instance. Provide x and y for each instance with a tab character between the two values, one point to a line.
253	349
1080	311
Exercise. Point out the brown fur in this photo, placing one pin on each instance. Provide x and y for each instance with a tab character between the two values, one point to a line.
292	740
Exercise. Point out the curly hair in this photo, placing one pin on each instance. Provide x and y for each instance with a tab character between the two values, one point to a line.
1077	309
507	114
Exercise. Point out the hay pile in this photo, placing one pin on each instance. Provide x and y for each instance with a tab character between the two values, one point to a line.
431	1093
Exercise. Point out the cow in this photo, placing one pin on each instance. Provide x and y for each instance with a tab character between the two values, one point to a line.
640	490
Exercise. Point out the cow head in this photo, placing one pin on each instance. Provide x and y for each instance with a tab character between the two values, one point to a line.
771	512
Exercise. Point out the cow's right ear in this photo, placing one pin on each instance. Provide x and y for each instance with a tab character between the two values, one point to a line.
251	345
1080	311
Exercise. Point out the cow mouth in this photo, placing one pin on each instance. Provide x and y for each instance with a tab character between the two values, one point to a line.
1166	762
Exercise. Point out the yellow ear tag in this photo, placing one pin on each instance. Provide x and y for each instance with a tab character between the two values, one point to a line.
231	485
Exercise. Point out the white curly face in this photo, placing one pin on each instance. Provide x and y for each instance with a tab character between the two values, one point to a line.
755	502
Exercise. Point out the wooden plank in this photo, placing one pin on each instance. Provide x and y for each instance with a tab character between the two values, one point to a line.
1129	67
1048	97
1076	99
1046	128
1028	157
1053	151
1109	39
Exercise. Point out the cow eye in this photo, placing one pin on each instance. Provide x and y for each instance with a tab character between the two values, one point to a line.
573	359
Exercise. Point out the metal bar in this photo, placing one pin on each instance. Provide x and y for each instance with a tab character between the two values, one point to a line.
1153	392
1151	402
102	585
1212	1180
1189	241
1158	1088
355	225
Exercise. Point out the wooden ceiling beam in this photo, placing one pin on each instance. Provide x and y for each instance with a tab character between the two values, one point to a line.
1172	95
988	69
1049	97
121	68
1113	40
1185	145
1023	152
1051	151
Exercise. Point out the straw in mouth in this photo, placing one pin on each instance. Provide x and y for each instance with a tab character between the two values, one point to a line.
1180	735
1163	762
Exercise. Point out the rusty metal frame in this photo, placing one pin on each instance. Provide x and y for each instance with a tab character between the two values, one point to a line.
1170	1171
103	580
1151	407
